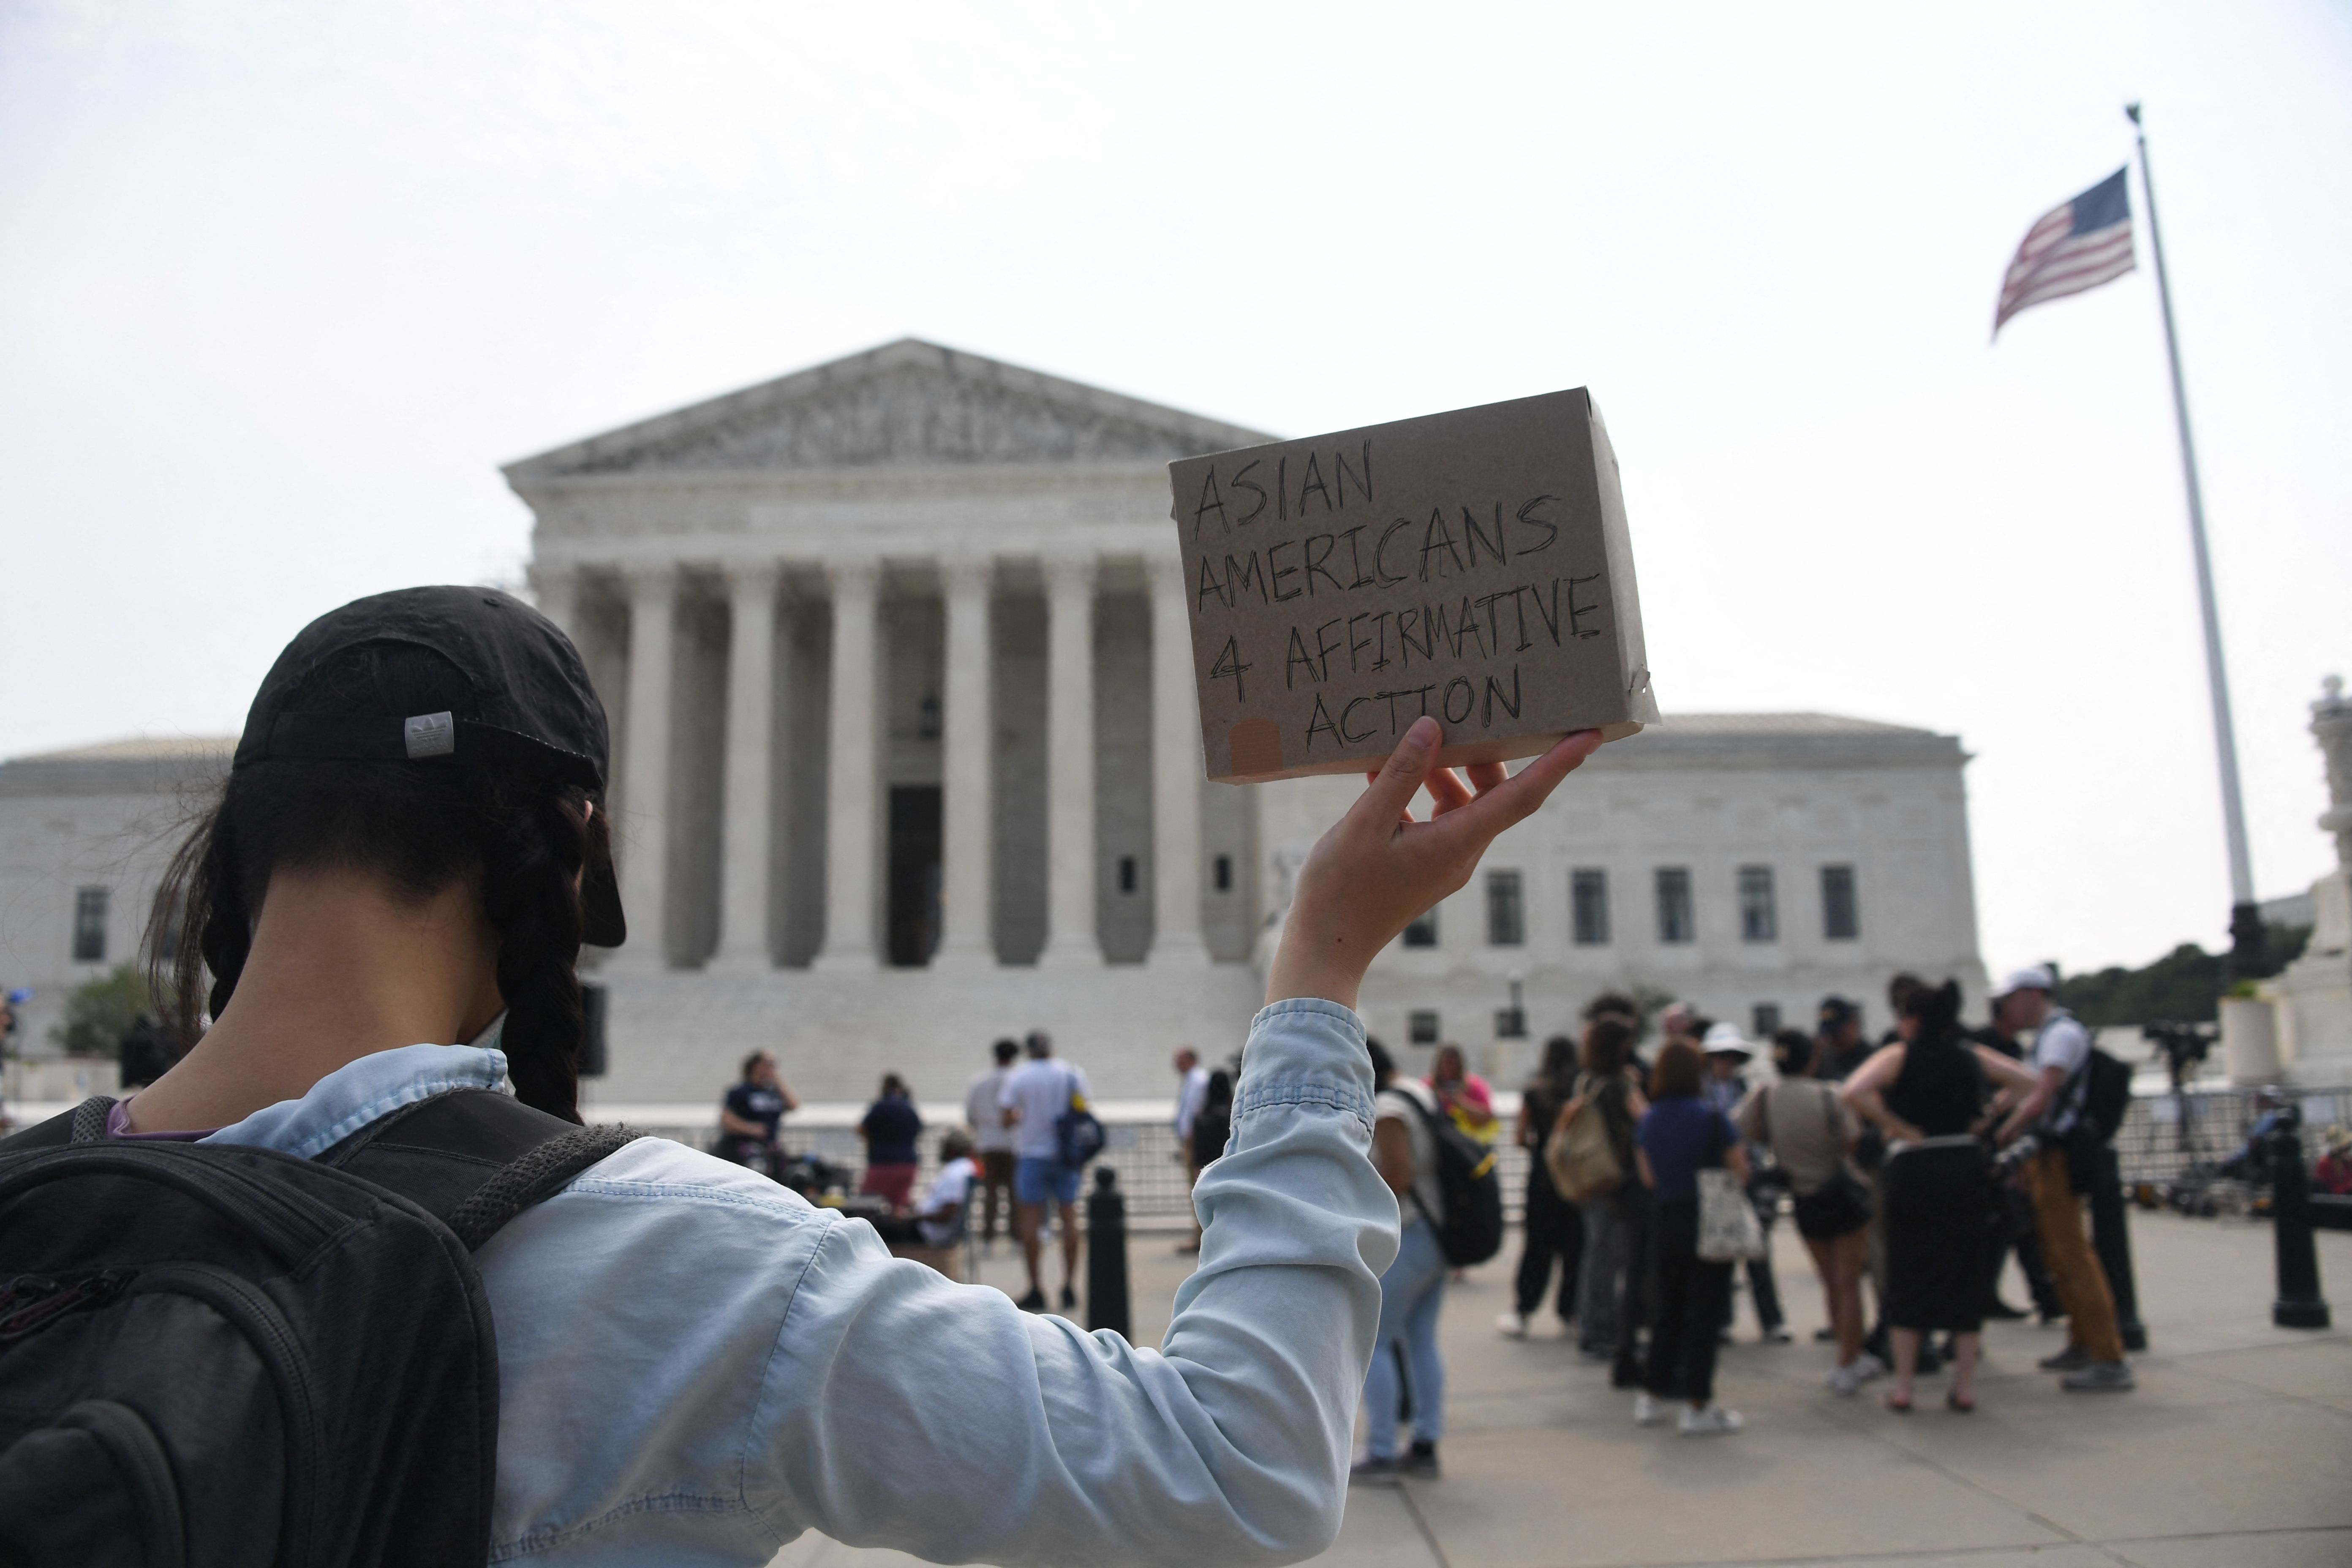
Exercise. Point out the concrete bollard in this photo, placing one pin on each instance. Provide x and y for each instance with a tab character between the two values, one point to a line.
2299	1305
1106	1254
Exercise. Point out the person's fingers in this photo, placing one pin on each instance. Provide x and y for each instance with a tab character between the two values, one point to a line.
1390	795
1447	791
1485	776
1517	798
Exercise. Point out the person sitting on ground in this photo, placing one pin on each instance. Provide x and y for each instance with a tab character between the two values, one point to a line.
892	1125
750	1114
693	1363
1462	1094
1926	1094
2333	1173
1680	1136
938	1220
1810	1133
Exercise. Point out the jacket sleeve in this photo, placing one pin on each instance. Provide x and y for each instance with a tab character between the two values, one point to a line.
901	1410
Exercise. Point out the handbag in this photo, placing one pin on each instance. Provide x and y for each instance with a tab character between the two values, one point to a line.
1728	1228
1583	1162
1839	1206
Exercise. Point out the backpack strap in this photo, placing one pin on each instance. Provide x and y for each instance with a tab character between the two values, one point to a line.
84	1123
474	1158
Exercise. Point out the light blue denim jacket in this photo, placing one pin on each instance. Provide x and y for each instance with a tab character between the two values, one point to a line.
695	1365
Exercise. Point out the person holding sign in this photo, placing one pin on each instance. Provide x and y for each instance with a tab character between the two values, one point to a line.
691	1364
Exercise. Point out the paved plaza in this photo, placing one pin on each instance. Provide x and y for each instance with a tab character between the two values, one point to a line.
2235	1451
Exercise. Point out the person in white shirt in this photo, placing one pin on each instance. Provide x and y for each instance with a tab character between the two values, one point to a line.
938	1219
991	1141
1191	1093
2092	1360
1033	1099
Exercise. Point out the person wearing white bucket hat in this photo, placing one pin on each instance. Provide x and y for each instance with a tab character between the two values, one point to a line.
1728	1052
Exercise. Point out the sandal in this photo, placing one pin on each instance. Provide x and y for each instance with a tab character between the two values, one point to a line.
1898	1403
1958	1406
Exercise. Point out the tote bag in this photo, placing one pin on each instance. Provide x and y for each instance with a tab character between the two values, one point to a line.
1727	1229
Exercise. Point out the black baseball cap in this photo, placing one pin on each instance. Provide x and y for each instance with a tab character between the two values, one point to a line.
533	712
1837	1010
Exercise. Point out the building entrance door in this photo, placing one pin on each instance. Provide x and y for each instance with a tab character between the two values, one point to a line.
915	843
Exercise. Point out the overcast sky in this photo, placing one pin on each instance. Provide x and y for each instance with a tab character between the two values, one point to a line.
280	286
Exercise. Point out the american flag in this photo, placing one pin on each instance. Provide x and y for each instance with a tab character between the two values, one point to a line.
2078	246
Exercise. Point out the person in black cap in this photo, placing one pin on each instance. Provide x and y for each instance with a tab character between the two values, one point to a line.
1838	1046
694	1364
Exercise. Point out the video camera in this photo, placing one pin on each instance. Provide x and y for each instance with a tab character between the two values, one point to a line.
2183	1046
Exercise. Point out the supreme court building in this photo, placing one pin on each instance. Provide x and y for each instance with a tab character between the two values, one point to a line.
908	757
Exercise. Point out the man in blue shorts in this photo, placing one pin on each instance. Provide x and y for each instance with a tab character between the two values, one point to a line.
1032	1099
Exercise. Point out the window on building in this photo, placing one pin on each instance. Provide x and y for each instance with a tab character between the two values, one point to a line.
1674	923
1221	873
1758	920
89	925
1510	1023
1421	1027
1423	931
1126	873
1766	1017
1507	921
1841	914
1588	899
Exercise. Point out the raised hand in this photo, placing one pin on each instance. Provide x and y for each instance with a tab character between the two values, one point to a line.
1377	867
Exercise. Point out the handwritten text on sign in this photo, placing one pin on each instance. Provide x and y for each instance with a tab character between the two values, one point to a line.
1343	586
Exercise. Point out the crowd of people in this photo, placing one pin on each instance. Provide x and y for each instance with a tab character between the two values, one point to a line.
1913	1166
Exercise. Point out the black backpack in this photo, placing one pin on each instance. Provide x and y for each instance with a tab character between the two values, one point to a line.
217	1356
1470	1224
2106	1094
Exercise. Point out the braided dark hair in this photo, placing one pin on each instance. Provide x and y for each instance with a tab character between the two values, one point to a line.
424	825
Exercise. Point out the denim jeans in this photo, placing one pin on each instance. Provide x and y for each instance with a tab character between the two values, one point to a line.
1410	1293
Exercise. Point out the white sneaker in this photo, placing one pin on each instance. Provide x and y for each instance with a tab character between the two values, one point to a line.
1845	1382
1712	1421
1867	1366
1514	1324
1647	1411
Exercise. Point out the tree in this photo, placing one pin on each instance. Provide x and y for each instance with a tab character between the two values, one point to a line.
97	1015
2184	986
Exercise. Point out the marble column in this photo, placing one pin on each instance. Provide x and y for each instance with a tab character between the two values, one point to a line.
751	744
557	589
1177	771
851	769
644	818
968	937
1071	940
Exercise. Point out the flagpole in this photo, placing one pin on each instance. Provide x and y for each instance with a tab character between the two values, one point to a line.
2248	959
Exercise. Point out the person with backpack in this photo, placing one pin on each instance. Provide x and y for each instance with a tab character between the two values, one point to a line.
2060	1111
1036	1096
1614	1207
326	1291
1404	1344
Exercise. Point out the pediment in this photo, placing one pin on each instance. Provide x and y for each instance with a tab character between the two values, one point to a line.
906	404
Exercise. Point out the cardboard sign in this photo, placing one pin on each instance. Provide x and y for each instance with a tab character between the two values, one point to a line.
1473	566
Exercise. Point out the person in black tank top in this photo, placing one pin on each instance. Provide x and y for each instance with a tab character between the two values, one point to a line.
1928	1095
